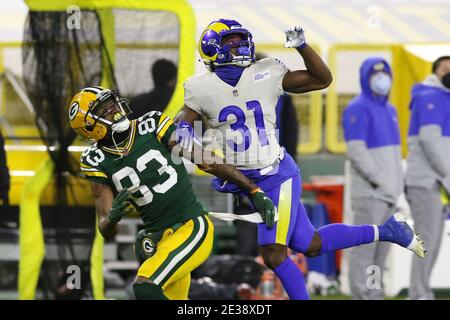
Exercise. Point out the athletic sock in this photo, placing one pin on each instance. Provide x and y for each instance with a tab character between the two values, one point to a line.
340	236
385	233
292	279
148	291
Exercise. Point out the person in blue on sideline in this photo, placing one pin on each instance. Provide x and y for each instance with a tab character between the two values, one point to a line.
373	147
428	168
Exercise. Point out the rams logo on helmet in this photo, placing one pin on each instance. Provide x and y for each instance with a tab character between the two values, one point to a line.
214	53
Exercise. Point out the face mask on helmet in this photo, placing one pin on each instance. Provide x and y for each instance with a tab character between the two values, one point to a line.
111	110
216	52
380	83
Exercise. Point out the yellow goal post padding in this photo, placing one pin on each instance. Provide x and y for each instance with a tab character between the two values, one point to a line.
181	8
186	18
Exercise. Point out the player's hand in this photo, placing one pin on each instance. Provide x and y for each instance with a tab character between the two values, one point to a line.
264	206
295	38
120	206
185	135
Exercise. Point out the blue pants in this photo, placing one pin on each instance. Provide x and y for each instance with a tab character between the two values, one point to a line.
284	187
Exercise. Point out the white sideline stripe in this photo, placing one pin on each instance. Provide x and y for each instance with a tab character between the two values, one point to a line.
254	217
183	253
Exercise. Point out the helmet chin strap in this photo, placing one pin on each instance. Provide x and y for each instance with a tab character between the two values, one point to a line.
119	127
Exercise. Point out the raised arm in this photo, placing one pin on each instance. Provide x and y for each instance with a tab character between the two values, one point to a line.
316	76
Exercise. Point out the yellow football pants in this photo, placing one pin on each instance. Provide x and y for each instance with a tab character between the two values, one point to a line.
177	254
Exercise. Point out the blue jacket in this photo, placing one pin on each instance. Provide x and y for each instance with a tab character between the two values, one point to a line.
373	140
429	134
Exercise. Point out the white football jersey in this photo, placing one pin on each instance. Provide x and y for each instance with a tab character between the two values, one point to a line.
243	117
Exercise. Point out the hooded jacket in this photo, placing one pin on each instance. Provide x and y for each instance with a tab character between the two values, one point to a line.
429	135
373	140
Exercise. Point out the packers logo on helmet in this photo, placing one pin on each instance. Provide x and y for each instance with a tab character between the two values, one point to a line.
87	113
74	107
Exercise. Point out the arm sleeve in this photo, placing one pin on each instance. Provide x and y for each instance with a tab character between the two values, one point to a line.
356	126
190	100
431	110
362	161
431	121
430	138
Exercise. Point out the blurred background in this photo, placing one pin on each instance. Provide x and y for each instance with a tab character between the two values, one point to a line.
48	51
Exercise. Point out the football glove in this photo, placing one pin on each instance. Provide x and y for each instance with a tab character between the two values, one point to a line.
295	38
120	206
185	135
264	206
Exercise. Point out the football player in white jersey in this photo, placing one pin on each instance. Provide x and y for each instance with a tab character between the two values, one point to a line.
237	96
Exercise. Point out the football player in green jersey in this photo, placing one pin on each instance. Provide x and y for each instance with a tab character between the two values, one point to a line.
133	166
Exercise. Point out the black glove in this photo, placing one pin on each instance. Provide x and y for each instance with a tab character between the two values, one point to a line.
119	207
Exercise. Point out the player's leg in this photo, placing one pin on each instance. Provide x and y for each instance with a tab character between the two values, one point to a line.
307	240
273	242
429	220
178	290
341	236
177	255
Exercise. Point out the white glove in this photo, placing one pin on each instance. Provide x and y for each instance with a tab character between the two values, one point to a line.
295	38
185	135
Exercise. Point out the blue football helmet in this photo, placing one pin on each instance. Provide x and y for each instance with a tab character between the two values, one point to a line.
213	53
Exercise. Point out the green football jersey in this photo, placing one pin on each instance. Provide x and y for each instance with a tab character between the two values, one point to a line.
160	185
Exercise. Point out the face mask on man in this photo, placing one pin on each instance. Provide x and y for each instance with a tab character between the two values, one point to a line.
380	83
446	80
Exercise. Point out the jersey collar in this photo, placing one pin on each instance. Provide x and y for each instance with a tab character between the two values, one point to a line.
128	145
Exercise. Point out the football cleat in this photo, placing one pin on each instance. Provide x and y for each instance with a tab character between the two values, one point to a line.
397	230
